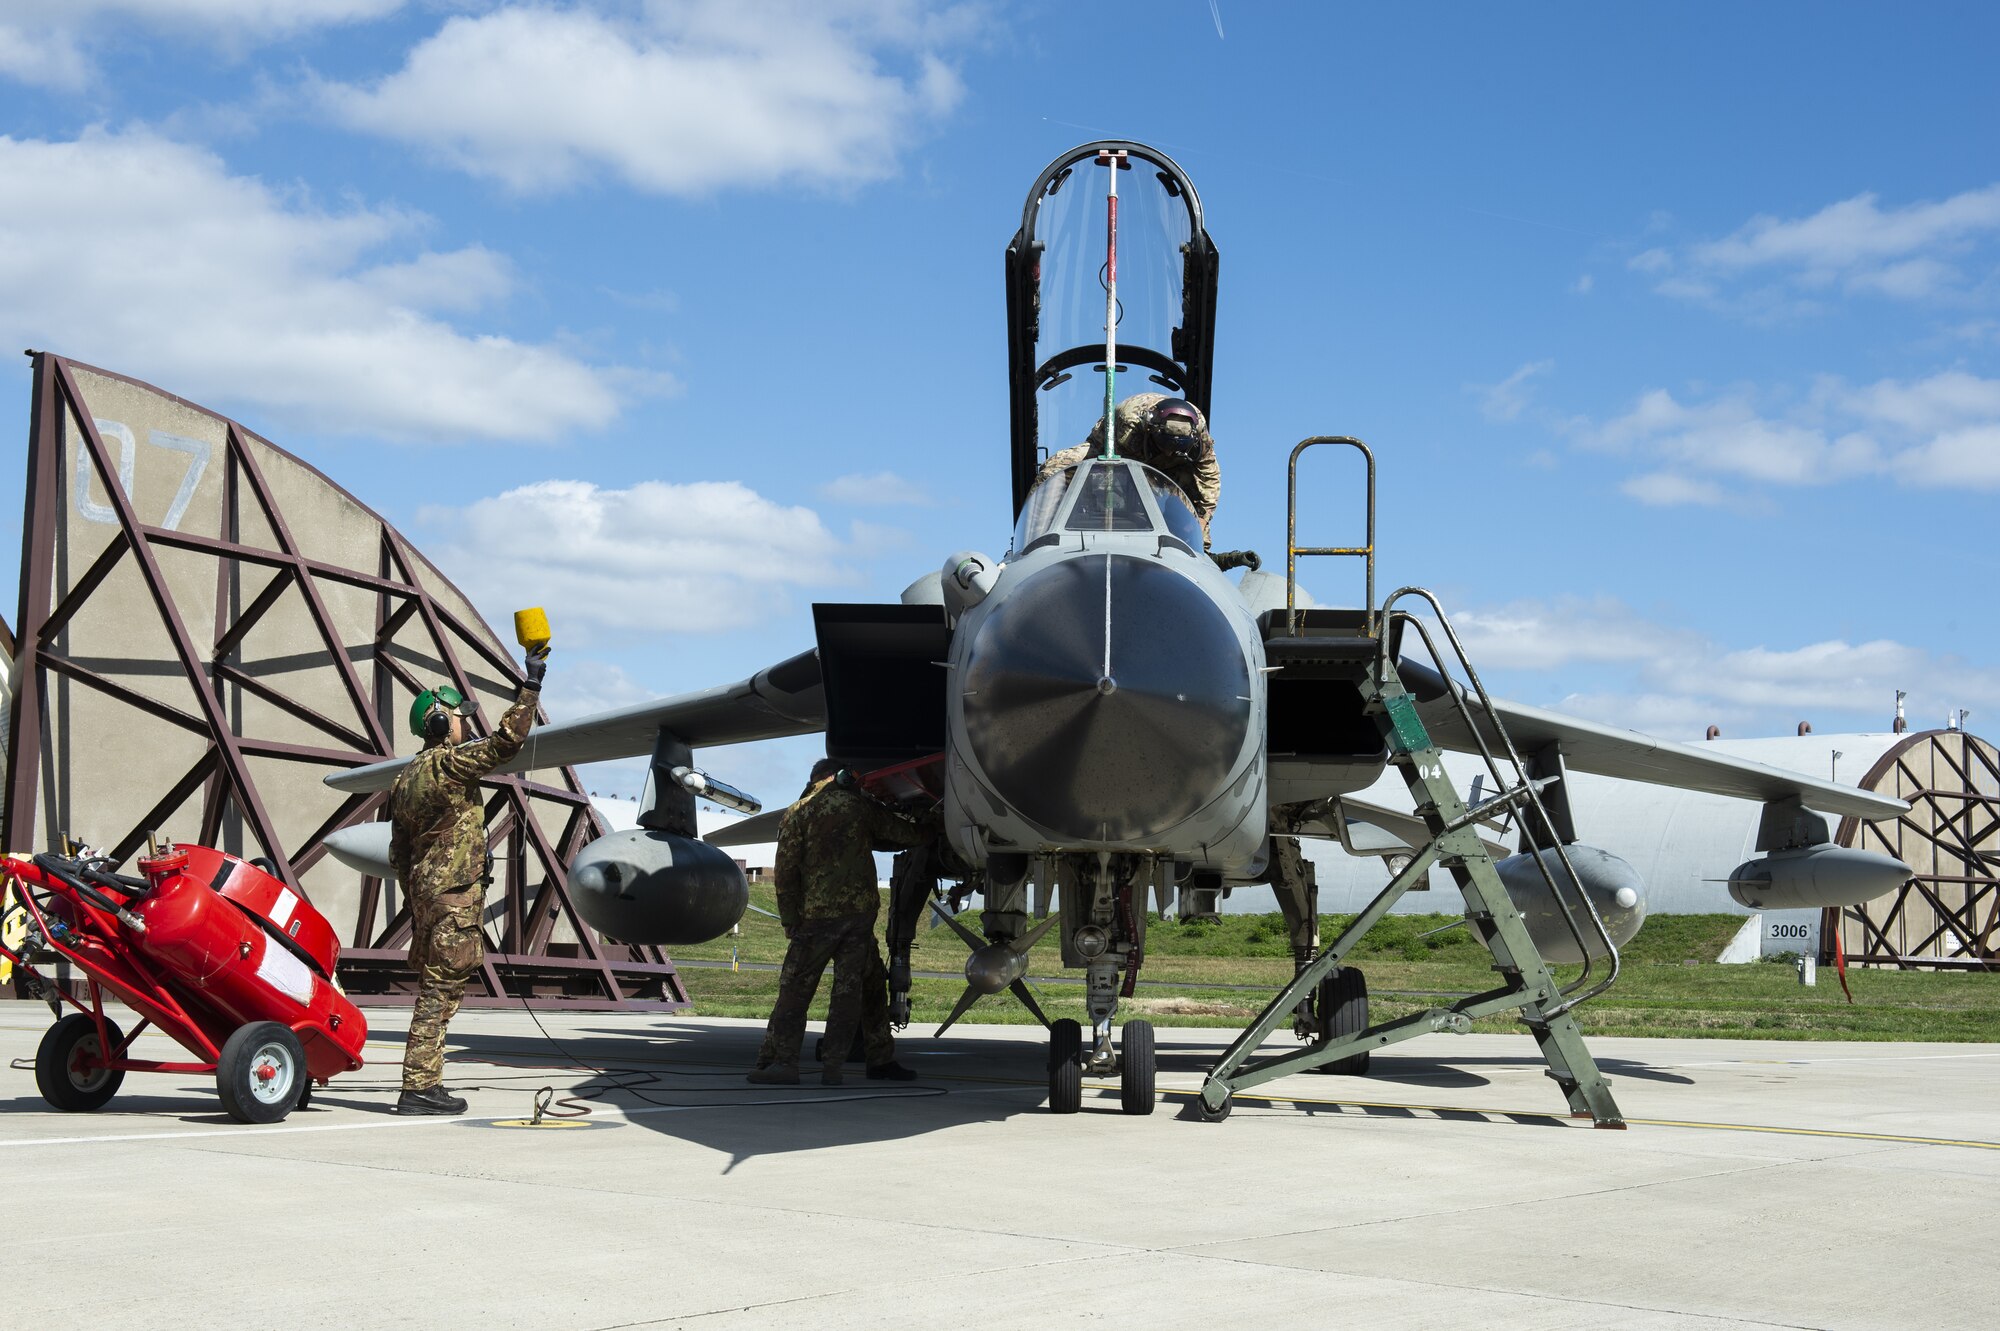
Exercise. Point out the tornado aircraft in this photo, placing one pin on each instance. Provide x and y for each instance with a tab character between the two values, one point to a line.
1104	718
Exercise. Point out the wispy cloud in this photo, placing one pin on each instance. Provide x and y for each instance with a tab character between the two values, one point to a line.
1506	400
884	488
1941	432
47	43
1775	266
231	290
1675	681
680	99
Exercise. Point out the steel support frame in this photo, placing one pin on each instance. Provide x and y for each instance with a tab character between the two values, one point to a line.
1455	844
603	977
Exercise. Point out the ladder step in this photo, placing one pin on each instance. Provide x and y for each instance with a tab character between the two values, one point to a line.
1321	650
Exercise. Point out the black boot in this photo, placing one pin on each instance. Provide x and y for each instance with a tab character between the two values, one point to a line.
891	1071
432	1100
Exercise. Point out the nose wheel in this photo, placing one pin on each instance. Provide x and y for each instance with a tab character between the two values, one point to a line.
1136	1068
1065	1066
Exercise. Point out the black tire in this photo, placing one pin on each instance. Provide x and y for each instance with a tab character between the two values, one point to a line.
260	1072
1343	1011
1207	1115
1065	1066
1136	1068
56	1074
305	1094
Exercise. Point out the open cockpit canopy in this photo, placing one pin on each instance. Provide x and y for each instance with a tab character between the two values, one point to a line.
1056	296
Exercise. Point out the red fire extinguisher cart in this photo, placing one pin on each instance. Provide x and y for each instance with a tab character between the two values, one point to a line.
227	960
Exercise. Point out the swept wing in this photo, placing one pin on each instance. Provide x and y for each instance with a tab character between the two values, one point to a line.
787	699
1608	751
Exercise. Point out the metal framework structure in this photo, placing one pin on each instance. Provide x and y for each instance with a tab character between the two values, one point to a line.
1947	916
200	671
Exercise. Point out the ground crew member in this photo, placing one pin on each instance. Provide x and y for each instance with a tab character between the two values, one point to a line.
1167	434
437	846
827	901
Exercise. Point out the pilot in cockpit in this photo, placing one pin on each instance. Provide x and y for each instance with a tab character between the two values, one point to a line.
1167	434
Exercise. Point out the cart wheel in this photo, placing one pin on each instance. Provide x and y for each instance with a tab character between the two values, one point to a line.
305	1093
260	1071
69	1065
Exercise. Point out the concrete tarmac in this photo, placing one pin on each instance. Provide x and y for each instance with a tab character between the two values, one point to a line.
1762	1184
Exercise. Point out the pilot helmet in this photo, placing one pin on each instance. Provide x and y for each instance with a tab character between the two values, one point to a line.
1175	424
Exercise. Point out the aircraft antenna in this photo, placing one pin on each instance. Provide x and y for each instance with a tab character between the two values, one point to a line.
1115	160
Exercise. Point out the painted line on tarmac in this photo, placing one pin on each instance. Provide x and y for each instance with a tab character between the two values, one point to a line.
231	1130
1807	1062
1378	1107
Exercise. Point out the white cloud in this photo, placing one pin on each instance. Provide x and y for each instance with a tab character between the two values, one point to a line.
1507	399
1854	246
584	687
1582	285
46	43
1938	432
1667	489
877	488
673	99
703	557
144	255
1675	682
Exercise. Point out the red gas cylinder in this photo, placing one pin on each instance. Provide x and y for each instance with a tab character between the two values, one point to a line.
241	960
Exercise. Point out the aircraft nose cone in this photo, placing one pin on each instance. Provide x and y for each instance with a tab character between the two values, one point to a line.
1106	698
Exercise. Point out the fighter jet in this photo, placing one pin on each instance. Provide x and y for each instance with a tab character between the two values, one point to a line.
1106	720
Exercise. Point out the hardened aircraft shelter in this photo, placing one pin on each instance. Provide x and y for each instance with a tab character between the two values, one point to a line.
207	627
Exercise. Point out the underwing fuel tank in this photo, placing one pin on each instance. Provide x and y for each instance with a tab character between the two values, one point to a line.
1613	886
1815	877
645	887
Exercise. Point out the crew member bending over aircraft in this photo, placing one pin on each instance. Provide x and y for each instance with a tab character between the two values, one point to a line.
437	846
827	901
1167	434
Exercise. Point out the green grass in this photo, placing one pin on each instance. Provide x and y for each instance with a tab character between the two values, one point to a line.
1409	958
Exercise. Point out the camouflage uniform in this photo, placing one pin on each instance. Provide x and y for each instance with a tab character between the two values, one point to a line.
1198	476
827	901
437	847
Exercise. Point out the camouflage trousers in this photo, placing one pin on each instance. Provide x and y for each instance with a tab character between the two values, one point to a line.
860	997
446	946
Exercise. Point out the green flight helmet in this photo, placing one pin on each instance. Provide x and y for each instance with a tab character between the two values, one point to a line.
445	696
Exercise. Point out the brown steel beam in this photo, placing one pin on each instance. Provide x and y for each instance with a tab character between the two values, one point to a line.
69	669
38	546
80	590
322	621
248	682
232	637
173	799
191	661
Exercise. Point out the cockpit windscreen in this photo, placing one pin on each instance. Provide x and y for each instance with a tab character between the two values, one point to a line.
1108	500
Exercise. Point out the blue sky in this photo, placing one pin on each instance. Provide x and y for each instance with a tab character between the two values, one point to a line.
1676	328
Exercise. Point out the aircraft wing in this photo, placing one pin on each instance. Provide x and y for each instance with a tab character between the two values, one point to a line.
787	699
1607	751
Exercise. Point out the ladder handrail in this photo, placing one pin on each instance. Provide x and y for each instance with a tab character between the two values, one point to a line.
1292	547
1570	991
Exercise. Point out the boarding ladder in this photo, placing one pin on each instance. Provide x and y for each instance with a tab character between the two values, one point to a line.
1367	652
